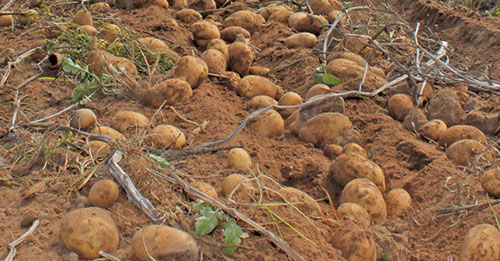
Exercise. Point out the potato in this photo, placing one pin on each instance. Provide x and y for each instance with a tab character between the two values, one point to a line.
259	70
334	14
295	18
104	193
88	230
108	131
160	242
414	120
460	132
231	79
303	201
269	124
203	32
230	33
123	120
490	181
29	17
324	128
240	57
261	101
355	148
158	46
356	243
400	105
351	165
268	11
320	6
97	148
482	242
309	23
179	4
169	92
215	60
82	17
110	32
358	59
96	60
202	5
353	213
100	7
445	106
205	188
245	19
192	69
332	151
239	159
398	201
83	119
221	46
365	193
317	89
464	152
235	184
166	136
6	20
87	29
432	130
253	85
307	40
487	123
281	16
351	74
289	98
188	16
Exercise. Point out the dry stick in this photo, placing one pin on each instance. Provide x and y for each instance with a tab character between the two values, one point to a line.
17	103
102	137
6	6
108	256
450	210
13	244
10	64
74	105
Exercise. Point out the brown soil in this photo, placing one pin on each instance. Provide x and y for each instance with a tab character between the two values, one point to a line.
34	185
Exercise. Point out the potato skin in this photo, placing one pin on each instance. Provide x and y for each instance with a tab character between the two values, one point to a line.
232	181
239	159
432	130
83	119
215	60
261	101
254	85
356	243
400	105
293	195
365	193
204	30
398	201
126	119
269	124
159	46
317	89
324	128
464	152
490	181
170	91
192	69
230	33
205	188
82	17
245	19
355	148
351	74
350	166
104	193
460	132
355	214
97	148
240	58
108	131
96	62
281	16
221	46
188	16
165	135
303	39
445	105
482	242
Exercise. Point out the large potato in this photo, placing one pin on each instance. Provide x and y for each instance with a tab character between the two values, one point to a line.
490	181
324	128
97	59
169	92
398	201
108	131
202	5
466	151
365	193
158	46
192	69
317	89
415	119
460	132
215	60
304	201
309	23
205	188
164	243
254	85
188	16
126	119
261	101
82	17
203	32
445	106
268	11
295	18
88	230
239	159
358	59
432	130
352	74
307	40
240	57
245	19
355	148
281	16
355	214
83	119
482	242
356	243
230	34
350	165
400	105
269	124
221	46
166	136
97	148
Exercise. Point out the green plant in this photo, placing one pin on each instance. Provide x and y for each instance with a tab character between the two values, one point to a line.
326	78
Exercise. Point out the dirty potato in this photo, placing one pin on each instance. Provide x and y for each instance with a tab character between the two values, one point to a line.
166	136
103	193
324	128
192	69
261	101
203	32
230	33
96	61
239	159
108	131
460	132
253	85
482	242
221	46
465	152
356	243
240	58
432	130
188	16
354	213
365	193
400	105
268	124
304	39
490	181
169	92
398	201
245	19
215	60
124	120
351	165
83	119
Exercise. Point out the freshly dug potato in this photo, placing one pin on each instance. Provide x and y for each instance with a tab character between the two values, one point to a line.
240	58
239	159
110	32
82	17
317	89
97	59
166	136
158	46
365	193
334	14
202	5
487	123
322	7
100	7
131	4
400	105
289	98
87	29
309	23
205	188
164	243
261	101
268	11
203	32
97	148
245	19
215	60
232	79
307	40
29	17
88	230
460	132
353	213
234	184
398	201
230	33
355	148
351	165
482	242
306	203
351	74
295	18
269	124
169	92
415	119
259	70
180	4
108	131
332	151
358	59
221	46
6	20
356	243
192	69
253	85
445	106
280	16
464	152
126	119
103	193
490	181
432	130
83	119
188	16
324	128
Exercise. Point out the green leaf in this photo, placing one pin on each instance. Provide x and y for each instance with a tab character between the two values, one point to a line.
318	77
206	224
232	236
383	257
330	79
160	161
347	5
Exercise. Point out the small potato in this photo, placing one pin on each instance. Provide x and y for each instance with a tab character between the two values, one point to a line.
188	16
289	98
86	231
306	203
432	130
400	105
97	59
205	188
482	242
460	132
159	242
353	213
398	201
110	32
253	85
104	193
307	40
320	6
355	148
83	119
169	92
261	101
239	159
352	74
192	69
6	20
240	58
126	119
245	19
334	14
87	29
234	184
365	193
356	243
269	124
179	4
100	7
82	17
490	181
230	33
259	70
445	106
215	60
29	17
97	148
332	151
221	46
358	59
202	5
166	136
108	131
351	165
317	89
464	152
158	46
232	79
203	32
324	128
280	16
